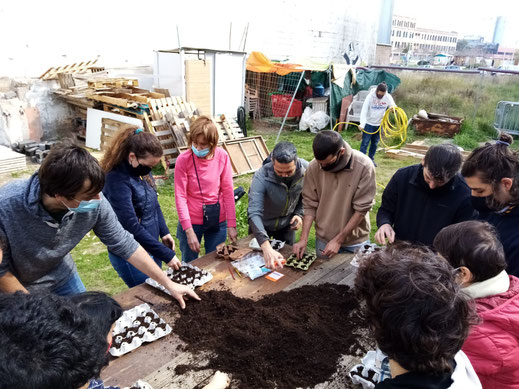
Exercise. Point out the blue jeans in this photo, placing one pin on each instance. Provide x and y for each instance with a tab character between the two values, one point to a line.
211	240
367	138
321	244
129	273
74	285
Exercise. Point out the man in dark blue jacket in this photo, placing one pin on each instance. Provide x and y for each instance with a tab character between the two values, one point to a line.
422	199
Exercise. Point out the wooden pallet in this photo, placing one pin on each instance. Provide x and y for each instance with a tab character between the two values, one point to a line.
81	67
11	161
227	129
110	83
175	105
109	128
170	123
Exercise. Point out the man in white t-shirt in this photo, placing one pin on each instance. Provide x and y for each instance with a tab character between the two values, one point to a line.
373	110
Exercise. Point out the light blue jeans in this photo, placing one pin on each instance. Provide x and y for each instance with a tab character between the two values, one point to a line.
321	244
129	273
211	240
74	285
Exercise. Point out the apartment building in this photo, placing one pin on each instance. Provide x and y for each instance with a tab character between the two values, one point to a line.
419	43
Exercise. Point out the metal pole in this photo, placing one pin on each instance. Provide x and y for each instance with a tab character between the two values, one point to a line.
290	106
331	94
476	103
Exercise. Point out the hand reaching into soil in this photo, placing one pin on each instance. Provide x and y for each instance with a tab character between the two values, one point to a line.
385	232
180	292
174	263
219	381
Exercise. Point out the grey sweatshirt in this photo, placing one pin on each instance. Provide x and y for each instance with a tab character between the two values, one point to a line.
271	203
38	247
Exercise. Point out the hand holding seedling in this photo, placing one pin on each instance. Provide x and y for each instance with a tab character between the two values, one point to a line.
296	222
385	232
332	248
273	259
180	292
174	263
299	248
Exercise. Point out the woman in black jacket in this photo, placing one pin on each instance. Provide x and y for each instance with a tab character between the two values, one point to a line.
131	191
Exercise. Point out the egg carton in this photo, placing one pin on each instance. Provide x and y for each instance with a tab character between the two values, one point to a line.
189	275
232	253
302	264
364	250
360	375
140	385
275	243
136	326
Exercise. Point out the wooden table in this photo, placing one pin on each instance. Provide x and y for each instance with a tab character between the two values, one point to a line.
155	362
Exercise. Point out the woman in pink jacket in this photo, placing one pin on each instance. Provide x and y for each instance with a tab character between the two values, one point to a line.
204	193
477	255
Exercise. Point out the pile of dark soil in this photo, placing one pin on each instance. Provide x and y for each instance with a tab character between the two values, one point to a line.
285	340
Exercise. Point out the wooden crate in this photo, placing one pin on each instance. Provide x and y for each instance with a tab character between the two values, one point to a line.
109	128
437	124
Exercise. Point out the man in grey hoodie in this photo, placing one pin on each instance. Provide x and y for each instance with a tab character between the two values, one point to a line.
275	201
43	218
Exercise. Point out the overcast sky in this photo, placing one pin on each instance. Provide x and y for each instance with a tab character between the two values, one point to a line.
466	17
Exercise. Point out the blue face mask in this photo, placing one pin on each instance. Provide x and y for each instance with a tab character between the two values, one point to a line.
85	206
201	153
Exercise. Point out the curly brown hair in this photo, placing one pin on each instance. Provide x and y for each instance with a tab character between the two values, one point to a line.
129	139
417	313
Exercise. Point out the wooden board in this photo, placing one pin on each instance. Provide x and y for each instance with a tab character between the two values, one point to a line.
246	154
198	84
155	362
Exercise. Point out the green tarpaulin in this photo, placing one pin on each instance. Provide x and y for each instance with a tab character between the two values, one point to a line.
365	79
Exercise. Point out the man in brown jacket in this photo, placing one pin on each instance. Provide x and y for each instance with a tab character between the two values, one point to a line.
338	193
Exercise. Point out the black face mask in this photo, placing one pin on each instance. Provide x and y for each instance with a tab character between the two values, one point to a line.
140	170
285	180
331	166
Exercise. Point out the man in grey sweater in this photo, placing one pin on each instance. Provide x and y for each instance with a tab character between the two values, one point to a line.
275	202
43	218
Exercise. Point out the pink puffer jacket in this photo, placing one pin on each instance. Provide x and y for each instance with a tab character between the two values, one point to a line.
493	345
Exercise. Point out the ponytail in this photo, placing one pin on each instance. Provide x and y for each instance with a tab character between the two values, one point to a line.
130	139
493	162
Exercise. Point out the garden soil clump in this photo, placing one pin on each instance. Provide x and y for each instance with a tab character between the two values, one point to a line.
285	340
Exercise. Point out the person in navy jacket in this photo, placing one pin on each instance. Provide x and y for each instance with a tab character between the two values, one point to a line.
131	191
